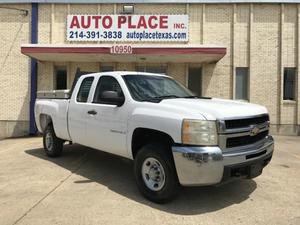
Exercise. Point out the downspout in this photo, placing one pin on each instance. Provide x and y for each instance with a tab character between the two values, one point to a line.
33	68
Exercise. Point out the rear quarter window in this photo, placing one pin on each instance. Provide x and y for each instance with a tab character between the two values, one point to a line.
84	89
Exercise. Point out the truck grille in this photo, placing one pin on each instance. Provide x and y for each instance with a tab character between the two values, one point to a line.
239	123
240	132
245	140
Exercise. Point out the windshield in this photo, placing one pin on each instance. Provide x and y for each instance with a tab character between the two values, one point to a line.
155	88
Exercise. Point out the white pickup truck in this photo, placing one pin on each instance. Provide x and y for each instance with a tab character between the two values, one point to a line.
174	137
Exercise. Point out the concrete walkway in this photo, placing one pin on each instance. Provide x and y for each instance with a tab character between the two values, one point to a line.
86	186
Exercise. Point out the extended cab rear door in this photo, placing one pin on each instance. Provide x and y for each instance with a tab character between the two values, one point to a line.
77	110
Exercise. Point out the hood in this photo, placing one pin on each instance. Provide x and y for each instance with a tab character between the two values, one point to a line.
214	108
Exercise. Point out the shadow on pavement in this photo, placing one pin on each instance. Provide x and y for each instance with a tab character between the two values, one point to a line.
117	174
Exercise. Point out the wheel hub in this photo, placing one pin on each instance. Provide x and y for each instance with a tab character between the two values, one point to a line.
153	174
49	141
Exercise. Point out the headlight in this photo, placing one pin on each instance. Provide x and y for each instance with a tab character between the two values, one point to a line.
199	132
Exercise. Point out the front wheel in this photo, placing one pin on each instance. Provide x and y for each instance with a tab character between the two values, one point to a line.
155	173
53	145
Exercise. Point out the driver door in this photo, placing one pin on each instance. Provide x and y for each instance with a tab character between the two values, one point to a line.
107	123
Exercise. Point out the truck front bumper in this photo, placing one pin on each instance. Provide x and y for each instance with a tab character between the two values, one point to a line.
199	166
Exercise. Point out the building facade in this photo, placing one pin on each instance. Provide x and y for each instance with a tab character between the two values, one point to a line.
243	50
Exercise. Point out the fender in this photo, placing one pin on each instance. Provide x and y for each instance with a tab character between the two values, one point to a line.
154	119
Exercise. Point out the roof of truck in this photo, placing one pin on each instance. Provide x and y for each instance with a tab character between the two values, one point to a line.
122	73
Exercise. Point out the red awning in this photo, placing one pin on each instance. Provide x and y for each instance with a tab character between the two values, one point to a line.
102	53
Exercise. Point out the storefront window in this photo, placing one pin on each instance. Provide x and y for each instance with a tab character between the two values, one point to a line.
241	83
152	69
106	68
194	80
289	84
60	78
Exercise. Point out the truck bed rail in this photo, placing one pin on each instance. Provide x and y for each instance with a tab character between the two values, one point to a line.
56	94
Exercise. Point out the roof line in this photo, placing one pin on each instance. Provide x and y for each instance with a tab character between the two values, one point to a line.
109	45
135	50
147	1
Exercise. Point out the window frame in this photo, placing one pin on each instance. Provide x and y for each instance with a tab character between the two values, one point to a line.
87	100
294	93
247	84
96	88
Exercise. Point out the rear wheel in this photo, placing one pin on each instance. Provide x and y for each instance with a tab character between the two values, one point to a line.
155	173
53	145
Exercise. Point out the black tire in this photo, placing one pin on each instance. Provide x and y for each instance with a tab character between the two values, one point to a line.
56	148
162	154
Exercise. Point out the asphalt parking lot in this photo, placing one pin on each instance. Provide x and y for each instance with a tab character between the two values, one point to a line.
86	186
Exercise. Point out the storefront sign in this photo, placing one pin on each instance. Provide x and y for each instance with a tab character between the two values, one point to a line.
121	49
153	28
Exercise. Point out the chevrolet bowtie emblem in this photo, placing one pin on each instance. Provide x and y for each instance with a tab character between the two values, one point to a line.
254	130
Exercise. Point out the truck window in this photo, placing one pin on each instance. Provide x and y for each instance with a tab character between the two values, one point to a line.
84	89
106	83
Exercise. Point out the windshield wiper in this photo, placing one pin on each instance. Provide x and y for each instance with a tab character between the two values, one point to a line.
195	96
166	96
156	100
191	96
159	98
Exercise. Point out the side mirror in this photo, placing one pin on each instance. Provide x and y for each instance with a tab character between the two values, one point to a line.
112	97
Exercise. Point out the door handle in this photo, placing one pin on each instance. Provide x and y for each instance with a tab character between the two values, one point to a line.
92	112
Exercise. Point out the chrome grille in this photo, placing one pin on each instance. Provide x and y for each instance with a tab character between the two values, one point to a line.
242	132
239	123
245	140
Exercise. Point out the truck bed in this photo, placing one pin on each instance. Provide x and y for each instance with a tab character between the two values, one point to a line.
57	109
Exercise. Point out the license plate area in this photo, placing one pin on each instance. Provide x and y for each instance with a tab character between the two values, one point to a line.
254	170
249	171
